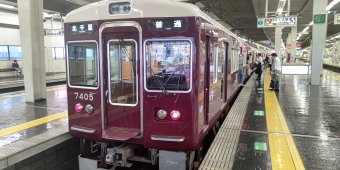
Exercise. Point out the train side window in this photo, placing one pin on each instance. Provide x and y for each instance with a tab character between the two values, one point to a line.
122	65
168	65
82	64
215	63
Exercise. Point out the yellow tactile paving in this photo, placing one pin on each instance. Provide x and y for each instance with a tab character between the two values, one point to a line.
334	77
283	152
23	94
32	123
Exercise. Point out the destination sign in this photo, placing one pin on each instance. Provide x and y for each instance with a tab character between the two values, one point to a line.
81	28
168	24
277	22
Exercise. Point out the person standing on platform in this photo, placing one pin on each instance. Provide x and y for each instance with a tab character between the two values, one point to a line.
240	69
276	67
260	59
258	70
270	62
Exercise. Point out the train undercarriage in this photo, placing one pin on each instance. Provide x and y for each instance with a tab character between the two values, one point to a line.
100	156
110	155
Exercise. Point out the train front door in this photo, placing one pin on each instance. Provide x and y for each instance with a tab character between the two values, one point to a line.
120	58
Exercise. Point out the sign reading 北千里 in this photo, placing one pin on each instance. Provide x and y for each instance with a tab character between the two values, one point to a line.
277	22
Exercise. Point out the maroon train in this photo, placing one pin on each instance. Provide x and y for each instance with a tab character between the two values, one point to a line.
147	80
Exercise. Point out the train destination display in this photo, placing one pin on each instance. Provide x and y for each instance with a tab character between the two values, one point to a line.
277	22
81	28
168	24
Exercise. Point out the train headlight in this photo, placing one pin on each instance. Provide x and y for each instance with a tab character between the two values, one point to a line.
175	115
161	114
89	108
79	107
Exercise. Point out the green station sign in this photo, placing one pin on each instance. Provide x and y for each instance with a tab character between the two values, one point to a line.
259	113
260	146
319	18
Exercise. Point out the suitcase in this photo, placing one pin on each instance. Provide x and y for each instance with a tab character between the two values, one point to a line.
274	83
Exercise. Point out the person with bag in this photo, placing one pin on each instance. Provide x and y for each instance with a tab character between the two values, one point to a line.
276	67
258	70
240	70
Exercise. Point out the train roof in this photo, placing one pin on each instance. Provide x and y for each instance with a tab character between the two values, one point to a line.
141	9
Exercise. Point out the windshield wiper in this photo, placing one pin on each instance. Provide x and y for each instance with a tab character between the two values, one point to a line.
158	82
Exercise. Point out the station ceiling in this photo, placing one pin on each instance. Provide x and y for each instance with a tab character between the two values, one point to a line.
239	16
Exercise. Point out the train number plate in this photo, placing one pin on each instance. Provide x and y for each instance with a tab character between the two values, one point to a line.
84	96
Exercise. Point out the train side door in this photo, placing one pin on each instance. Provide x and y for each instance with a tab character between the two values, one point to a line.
121	54
207	80
225	47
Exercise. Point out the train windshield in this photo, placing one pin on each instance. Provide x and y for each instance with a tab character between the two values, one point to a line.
168	65
82	64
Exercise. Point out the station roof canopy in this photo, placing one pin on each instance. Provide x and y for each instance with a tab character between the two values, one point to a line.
240	16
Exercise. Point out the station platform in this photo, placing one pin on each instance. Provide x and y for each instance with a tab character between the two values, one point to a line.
14	82
35	136
294	128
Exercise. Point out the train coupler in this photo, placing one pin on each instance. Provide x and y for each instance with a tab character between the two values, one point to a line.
119	155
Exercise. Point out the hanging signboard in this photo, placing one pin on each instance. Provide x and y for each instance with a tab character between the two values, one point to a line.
48	32
337	19
277	22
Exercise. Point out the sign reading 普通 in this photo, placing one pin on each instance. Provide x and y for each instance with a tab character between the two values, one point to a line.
277	22
168	24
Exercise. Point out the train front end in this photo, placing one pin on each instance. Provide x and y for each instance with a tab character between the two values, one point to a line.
130	84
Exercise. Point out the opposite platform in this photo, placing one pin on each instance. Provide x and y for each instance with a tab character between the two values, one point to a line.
28	130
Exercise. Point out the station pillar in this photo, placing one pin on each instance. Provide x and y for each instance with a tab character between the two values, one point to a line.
289	48
293	47
32	45
319	38
278	32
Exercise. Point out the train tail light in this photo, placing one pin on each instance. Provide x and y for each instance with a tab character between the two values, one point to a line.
89	108
161	114
175	115
79	107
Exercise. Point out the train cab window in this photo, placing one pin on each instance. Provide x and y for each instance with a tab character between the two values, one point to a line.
82	64
168	65
122	64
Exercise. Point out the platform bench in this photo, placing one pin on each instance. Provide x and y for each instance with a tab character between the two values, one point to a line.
9	70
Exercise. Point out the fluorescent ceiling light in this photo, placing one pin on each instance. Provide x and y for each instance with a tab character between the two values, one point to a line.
332	4
304	30
44	13
6	6
311	23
